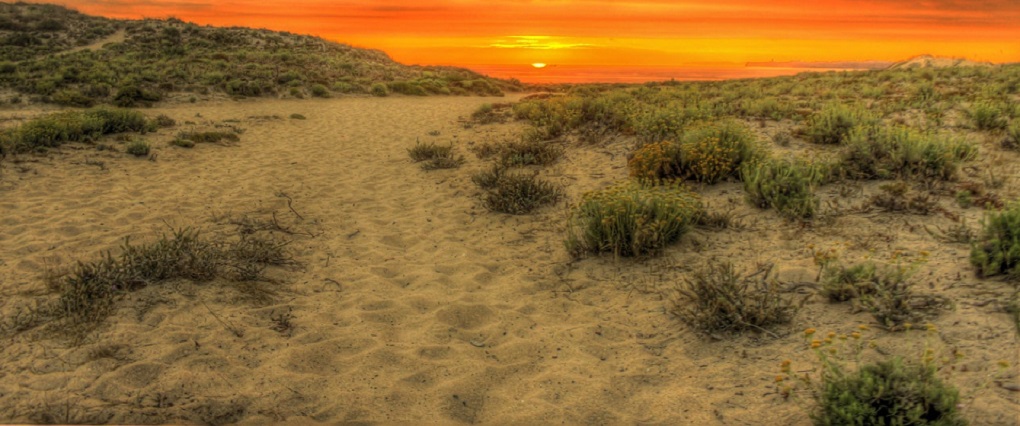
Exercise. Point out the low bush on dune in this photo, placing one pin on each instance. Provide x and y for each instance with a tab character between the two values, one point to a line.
515	193
900	152
832	125
997	251
708	153
785	185
208	137
987	115
72	126
137	148
631	219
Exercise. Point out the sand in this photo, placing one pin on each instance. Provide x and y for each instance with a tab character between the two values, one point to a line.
415	304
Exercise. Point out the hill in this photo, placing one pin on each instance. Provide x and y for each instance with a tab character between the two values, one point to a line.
928	61
52	54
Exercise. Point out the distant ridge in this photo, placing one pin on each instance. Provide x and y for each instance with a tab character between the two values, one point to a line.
929	61
846	65
52	54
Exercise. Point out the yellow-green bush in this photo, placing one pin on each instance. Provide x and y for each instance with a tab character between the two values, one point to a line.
631	219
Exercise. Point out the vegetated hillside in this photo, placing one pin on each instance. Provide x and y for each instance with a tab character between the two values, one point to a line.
154	58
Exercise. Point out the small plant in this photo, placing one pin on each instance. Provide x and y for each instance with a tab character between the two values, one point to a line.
516	193
832	125
631	219
788	186
719	298
379	89
319	91
138	148
997	252
708	153
296	116
489	179
841	283
655	161
486	114
529	152
1012	139
164	120
435	156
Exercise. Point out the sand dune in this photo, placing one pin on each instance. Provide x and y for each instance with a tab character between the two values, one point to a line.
413	303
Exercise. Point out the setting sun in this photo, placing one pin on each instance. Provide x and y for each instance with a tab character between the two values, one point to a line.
538	65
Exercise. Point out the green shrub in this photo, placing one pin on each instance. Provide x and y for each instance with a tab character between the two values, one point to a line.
319	91
840	283
656	161
988	115
900	152
183	143
786	185
529	152
832	125
129	96
885	393
379	89
631	219
517	193
1012	140
998	249
719	298
73	126
164	120
137	148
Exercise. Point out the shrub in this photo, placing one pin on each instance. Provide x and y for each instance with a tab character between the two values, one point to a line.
73	126
708	153
655	161
631	219
516	193
296	116
164	120
435	156
183	143
841	283
885	393
129	96
894	198
987	115
832	125
138	148
319	91
1012	140
719	298
379	89
900	152
788	186
998	250
529	152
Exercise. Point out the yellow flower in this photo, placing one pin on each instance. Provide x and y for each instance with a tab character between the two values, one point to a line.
809	332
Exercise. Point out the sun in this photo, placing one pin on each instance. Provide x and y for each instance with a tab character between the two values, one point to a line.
538	65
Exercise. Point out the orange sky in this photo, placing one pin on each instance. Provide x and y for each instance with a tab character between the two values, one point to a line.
603	33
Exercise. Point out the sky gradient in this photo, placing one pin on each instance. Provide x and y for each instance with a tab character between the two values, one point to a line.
599	36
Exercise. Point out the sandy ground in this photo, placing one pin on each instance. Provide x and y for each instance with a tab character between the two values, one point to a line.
415	304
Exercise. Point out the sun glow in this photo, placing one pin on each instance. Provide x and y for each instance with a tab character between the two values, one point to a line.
538	65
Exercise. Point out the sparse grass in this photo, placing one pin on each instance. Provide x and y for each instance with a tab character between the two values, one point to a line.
631	219
997	252
529	152
89	291
718	297
517	193
183	143
434	156
788	186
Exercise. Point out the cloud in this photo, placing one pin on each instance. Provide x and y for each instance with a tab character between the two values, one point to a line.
537	43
